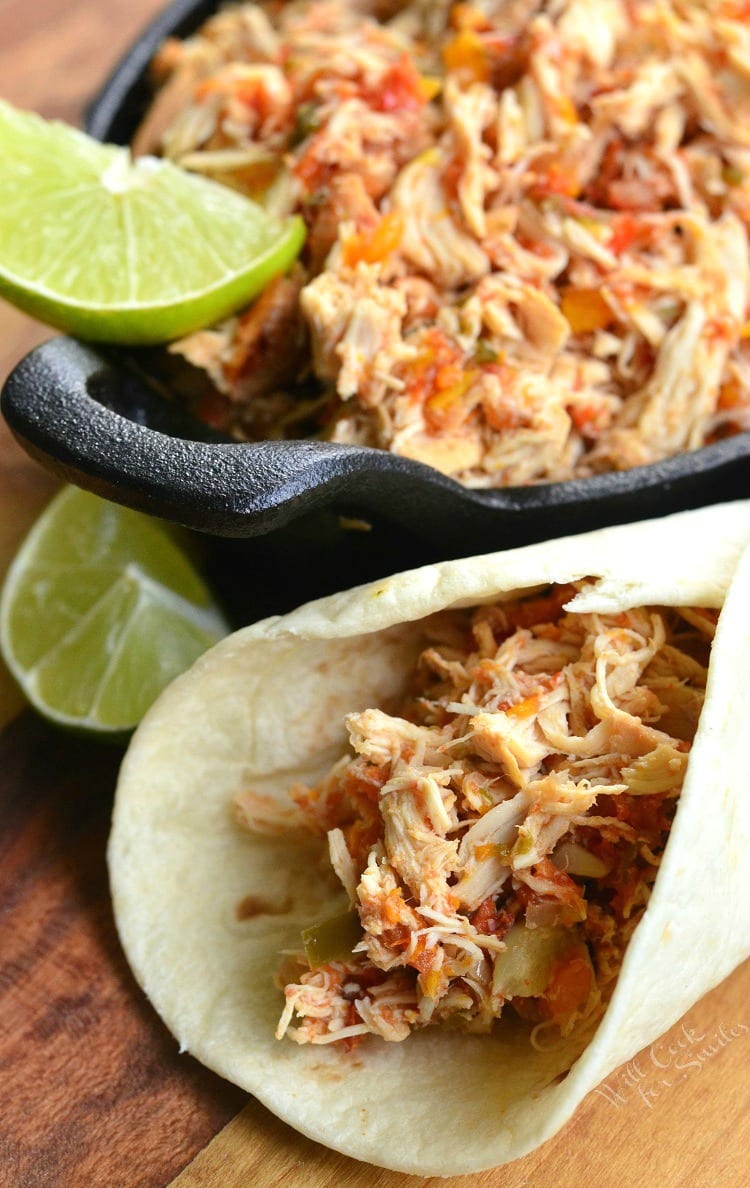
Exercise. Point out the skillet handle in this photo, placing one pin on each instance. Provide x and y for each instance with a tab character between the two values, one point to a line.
83	414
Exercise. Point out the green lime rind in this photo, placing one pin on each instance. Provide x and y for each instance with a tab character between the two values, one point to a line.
132	252
99	612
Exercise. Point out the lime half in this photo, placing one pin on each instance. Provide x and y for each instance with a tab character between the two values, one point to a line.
100	610
125	251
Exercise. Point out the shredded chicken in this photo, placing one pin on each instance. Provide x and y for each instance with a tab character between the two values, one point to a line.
527	253
498	837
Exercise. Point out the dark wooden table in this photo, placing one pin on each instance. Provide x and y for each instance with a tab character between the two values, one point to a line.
94	1092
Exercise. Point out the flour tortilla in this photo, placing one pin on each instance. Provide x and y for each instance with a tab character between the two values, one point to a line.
265	708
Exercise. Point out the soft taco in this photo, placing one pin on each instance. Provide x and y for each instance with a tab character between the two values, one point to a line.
542	833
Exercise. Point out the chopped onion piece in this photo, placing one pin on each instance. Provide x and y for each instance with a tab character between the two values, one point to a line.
523	969
577	860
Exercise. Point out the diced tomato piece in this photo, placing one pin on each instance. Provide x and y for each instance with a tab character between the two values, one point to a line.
377	245
558	179
397	937
544	608
569	890
721	328
447	408
401	88
570	985
488	920
527	708
733	395
584	417
563	889
311	171
649	816
361	836
437	368
624	233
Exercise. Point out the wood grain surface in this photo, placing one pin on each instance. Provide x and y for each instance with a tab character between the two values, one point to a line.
93	1089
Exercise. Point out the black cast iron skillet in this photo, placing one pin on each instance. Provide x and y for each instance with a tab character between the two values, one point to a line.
93	418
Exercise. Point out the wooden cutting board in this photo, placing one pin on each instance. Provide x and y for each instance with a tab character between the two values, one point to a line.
94	1091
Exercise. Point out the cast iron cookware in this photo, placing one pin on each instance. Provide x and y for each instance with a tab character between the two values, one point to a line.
94	417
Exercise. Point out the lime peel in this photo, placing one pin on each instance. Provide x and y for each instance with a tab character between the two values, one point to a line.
93	644
131	252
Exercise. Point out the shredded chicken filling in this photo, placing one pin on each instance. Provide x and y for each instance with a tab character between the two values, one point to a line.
499	833
527	253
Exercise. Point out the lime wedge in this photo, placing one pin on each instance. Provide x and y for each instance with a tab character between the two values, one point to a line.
99	611
125	251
